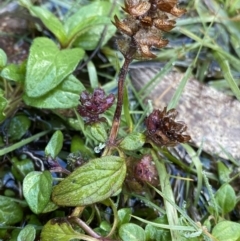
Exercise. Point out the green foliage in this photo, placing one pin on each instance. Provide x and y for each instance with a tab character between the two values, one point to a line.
227	231
11	212
93	182
98	130
55	144
3	58
225	198
18	126
58	230
37	187
133	141
28	233
81	29
51	160
20	168
131	231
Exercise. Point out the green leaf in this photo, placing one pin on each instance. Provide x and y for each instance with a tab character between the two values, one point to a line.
92	72
95	181
223	172
49	20
133	141
131	231
227	231
14	72
224	64
21	168
85	19
3	105
124	216
10	211
3	58
90	39
51	206
37	187
58	230
27	234
55	144
66	95
18	126
47	66
98	131
225	198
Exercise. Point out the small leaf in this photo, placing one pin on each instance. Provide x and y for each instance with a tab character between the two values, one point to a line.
223	172
225	198
55	144
3	58
37	187
227	231
18	127
27	234
48	19
47	66
66	95
124	216
95	181
10	211
98	130
51	206
14	72
133	141
21	168
57	229
3	105
90	39
85	19
131	231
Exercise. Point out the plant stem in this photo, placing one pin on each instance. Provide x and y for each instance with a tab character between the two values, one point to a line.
118	111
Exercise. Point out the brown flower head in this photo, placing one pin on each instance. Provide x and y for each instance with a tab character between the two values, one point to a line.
142	28
163	130
92	105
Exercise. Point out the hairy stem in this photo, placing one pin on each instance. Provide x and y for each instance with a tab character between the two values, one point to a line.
118	111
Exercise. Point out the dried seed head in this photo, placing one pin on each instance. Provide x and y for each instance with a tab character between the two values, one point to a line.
136	8
163	130
144	25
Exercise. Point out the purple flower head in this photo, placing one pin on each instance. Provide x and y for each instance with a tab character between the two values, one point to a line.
92	105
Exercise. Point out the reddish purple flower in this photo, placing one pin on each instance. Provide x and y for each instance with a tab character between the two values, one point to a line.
163	130
92	105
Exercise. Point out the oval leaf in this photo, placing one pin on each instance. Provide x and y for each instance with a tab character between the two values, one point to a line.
124	216
227	231
66	95
21	168
14	72
27	234
18	127
98	130
225	198
95	181
58	230
10	211
55	144
133	141
131	231
37	187
47	66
